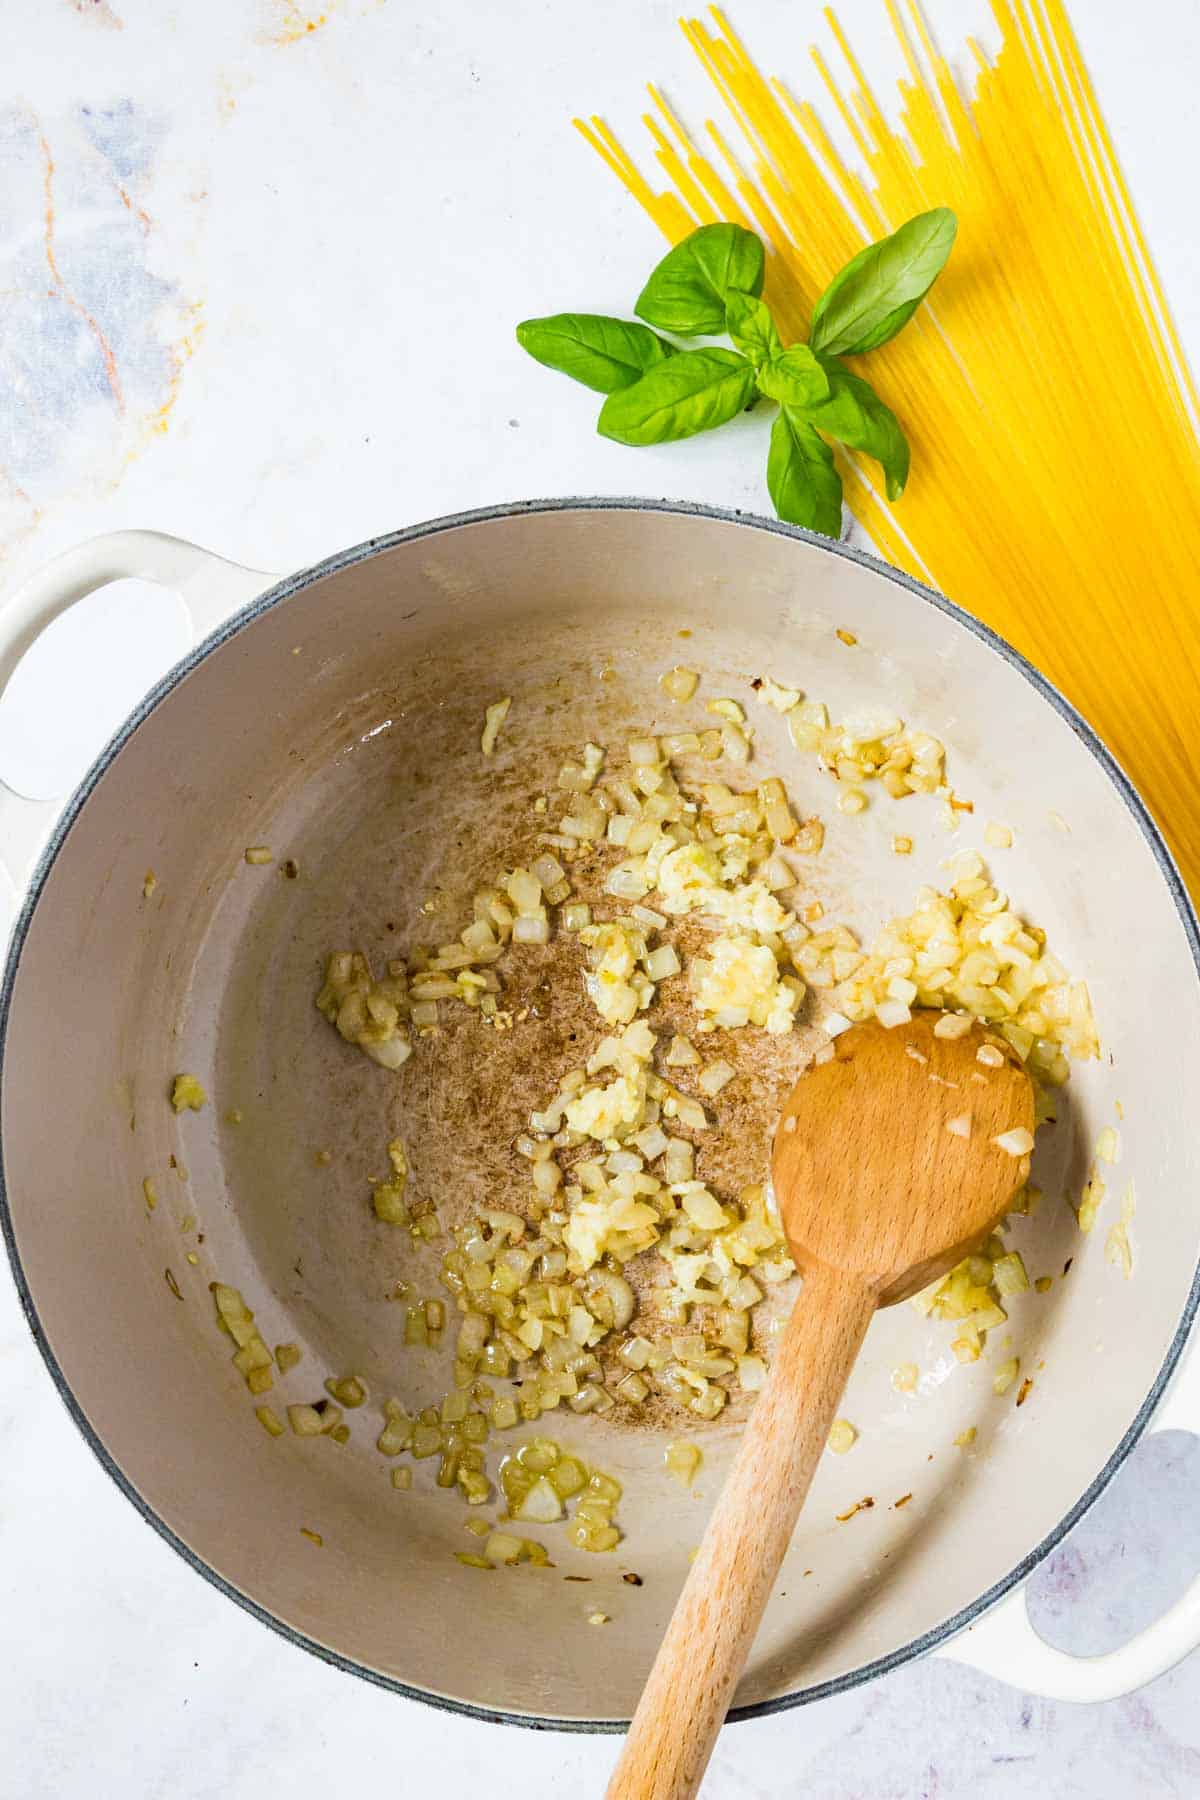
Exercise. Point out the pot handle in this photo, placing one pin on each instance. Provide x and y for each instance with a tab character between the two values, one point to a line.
211	588
1004	1643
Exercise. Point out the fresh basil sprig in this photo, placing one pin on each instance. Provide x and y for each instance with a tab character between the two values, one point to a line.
794	378
856	416
712	282
803	484
880	289
605	354
749	323
687	291
691	392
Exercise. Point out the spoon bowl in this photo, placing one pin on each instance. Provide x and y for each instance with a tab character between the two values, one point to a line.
919	1179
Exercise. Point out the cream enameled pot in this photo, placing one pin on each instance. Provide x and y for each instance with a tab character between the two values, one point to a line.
335	716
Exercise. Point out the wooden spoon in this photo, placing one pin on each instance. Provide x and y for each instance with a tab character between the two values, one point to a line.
887	1172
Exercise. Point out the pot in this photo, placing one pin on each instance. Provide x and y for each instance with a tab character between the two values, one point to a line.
336	719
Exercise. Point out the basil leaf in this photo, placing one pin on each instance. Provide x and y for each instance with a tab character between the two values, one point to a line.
749	323
604	354
881	288
691	392
856	416
688	290
805	487
794	377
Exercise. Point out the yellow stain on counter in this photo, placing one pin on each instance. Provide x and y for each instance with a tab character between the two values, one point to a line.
290	23
1059	505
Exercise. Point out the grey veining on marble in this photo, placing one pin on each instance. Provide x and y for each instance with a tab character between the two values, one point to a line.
226	244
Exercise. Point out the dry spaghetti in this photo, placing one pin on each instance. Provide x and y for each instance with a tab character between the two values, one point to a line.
1060	502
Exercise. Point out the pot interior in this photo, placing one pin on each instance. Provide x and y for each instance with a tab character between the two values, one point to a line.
340	727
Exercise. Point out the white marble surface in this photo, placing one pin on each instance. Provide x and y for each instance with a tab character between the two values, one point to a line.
258	288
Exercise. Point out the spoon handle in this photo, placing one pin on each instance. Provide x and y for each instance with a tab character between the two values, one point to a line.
684	1702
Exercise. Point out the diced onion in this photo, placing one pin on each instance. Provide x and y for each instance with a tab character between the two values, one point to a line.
1005	1375
541	1505
646	916
716	1076
494	717
682	1460
348	1390
187	1093
783	699
736	744
627	881
547	871
1009	1274
1018	1142
305	1421
680	684
681	743
1117	1248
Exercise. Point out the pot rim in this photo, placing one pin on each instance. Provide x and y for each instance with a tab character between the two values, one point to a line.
276	595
